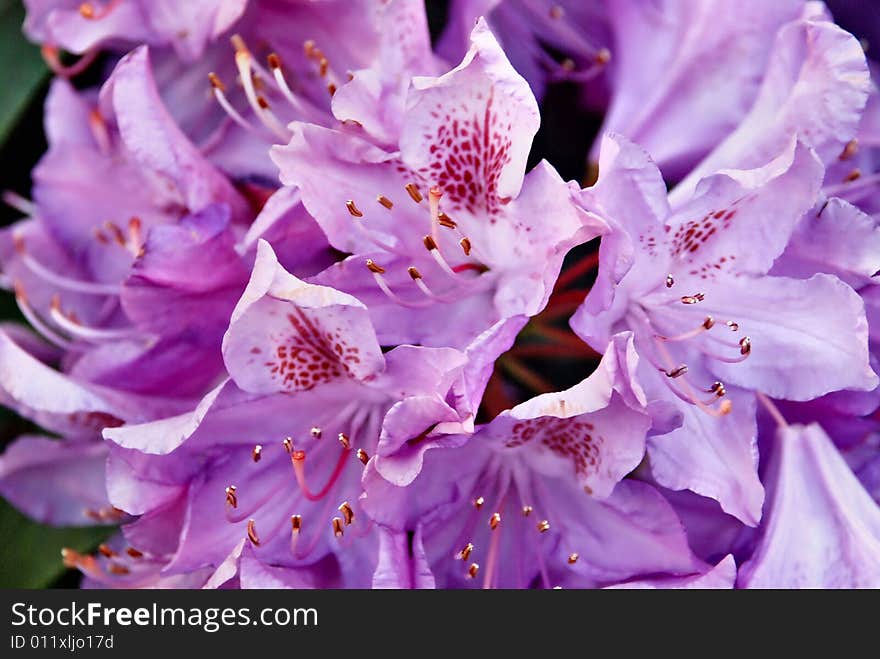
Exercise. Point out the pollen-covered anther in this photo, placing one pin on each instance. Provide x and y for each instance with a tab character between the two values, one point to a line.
257	453
745	345
478	502
543	526
106	551
693	299
855	174
495	521
677	372
338	531
374	267
363	456
465	245
473	570
252	533
718	389
385	201
465	553
527	510
733	326
287	444
670	281
231	496
849	150
445	221
343	439
572	558
708	322
430	243
414	272
296	523
413	191
352	209
347	512
315	432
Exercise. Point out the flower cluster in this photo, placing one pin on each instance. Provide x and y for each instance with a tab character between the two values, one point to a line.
305	312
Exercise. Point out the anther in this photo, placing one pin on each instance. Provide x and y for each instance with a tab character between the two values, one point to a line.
315	432
677	372
347	512
231	497
708	322
732	325
718	389
385	201
465	553
337	527
473	570
572	558
274	61
414	272
362	456
117	569
353	209
465	245
445	221
257	453
134	553
670	282
343	439
693	299
603	56
430	243
215	81
745	345
296	523
288	444
413	191
556	12
478	502
331	88
543	526
374	267
526	511
853	175
849	150
106	551
252	533
494	521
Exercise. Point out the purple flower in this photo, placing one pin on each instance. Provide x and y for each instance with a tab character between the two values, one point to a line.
535	496
274	455
710	323
447	235
821	528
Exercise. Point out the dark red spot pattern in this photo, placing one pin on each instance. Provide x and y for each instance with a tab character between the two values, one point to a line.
310	355
467	153
568	438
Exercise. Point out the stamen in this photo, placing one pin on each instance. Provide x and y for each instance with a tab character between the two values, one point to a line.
527	510
494	521
257	453
134	553
353	209
413	191
556	12
338	531
259	104
465	553
295	528
315	432
106	551
31	316
218	89
849	150
61	281
732	325
288	444
343	439
87	10
445	221
572	558
473	570
53	61
853	175
478	502
231	497
347	512
374	267
670	282
693	299
745	345
79	330
377	271
543	526
465	245
363	456
252	533
385	201
677	372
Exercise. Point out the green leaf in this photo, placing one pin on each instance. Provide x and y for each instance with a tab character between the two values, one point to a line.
21	66
30	553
